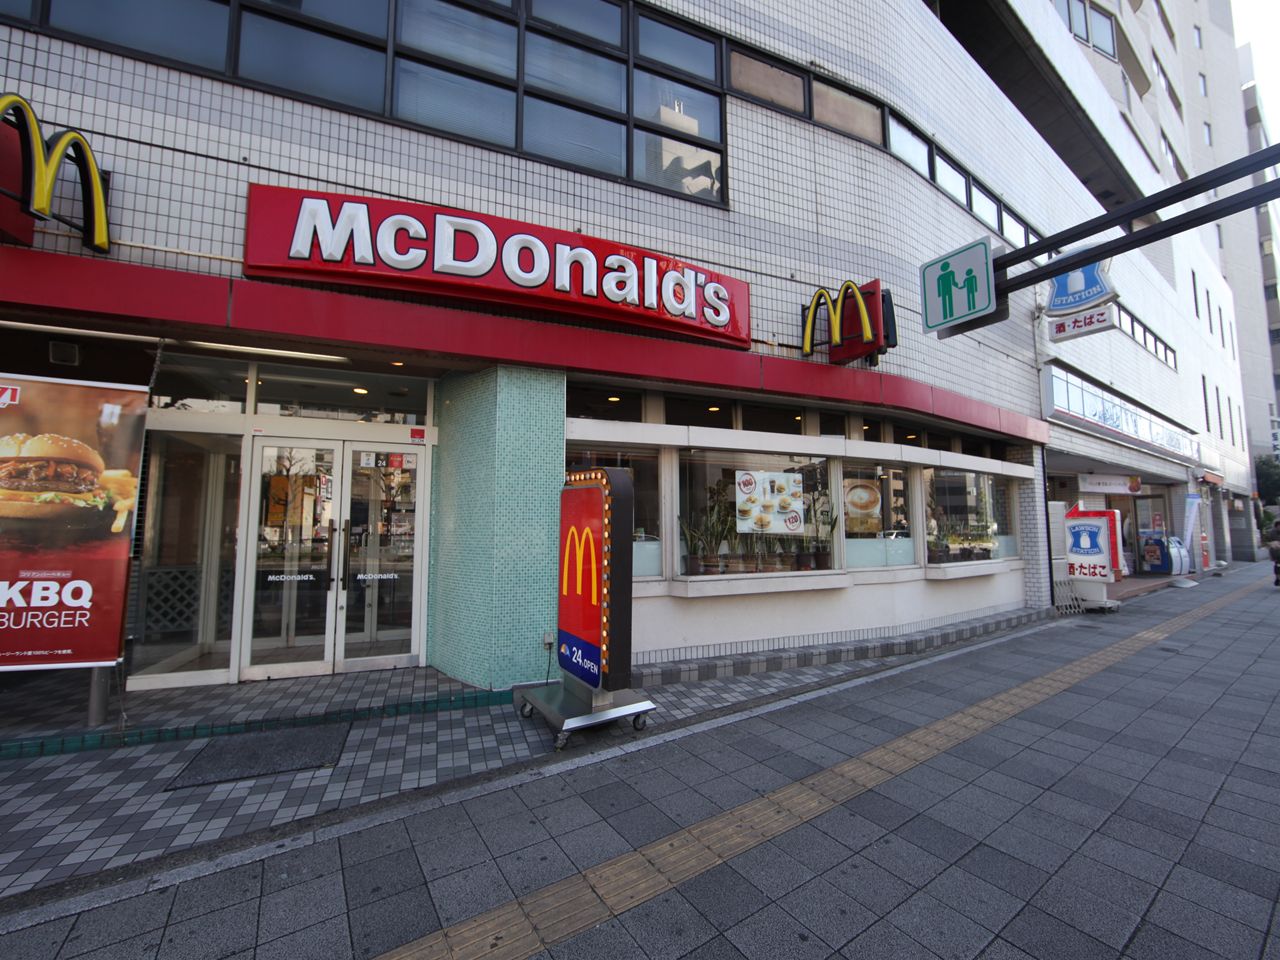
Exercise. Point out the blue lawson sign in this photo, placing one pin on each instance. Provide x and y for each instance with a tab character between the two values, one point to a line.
1089	286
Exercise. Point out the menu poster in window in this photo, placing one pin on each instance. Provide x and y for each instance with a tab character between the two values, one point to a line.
862	506
769	502
70	453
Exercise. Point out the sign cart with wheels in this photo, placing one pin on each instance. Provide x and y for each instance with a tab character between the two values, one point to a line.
594	609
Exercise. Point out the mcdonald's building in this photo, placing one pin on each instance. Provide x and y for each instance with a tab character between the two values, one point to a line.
387	270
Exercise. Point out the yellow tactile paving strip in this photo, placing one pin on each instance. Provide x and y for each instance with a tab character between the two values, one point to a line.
555	913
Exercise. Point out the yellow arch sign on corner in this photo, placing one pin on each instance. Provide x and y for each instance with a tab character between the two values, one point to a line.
835	316
42	158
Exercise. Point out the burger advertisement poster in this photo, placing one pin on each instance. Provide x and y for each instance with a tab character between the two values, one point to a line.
70	453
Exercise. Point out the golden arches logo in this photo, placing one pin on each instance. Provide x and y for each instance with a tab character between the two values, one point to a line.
42	159
835	318
579	543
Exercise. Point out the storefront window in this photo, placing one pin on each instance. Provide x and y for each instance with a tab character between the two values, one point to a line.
180	619
201	384
646	542
970	516
340	394
754	513
758	416
699	411
589	402
877	520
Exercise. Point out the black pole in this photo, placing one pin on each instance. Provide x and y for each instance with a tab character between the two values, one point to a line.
1124	216
1253	197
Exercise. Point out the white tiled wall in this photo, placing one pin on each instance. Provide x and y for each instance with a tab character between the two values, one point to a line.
806	207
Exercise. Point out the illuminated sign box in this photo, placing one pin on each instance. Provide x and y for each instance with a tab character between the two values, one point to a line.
373	241
594	604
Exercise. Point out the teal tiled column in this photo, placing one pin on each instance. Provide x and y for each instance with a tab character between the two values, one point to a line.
495	514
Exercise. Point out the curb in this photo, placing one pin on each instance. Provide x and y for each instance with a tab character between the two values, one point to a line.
745	664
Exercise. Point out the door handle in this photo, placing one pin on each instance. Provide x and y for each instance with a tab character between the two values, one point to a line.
333	554
346	554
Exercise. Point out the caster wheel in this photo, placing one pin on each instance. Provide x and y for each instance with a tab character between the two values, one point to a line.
639	721
561	740
526	710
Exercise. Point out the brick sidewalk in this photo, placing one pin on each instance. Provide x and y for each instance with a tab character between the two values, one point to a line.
1132	814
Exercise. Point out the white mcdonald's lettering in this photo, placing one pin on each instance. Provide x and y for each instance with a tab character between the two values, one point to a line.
835	319
578	544
42	159
403	242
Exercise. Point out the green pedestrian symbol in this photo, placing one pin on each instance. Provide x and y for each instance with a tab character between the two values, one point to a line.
946	290
971	289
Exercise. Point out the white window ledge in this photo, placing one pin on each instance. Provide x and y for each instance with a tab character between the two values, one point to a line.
759	583
972	568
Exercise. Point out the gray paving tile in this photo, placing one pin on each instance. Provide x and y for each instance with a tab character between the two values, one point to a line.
848	829
643	824
330	940
884	941
1010	874
811	847
213	936
564	815
40	942
972	896
1153	942
1044	936
936	838
512	833
118	921
217	890
828	912
386	924
373	843
298	866
771	870
904	860
870	884
451	853
302	905
595	843
667	927
495	806
688	807
1126	858
1221	866
1220	897
142	947
1190	921
462	895
377	879
720	948
773	934
1097	916
946	932
610	939
536	866
723	896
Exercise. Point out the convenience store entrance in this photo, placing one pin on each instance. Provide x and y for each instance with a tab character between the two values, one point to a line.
335	565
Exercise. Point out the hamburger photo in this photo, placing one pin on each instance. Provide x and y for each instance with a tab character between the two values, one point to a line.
52	477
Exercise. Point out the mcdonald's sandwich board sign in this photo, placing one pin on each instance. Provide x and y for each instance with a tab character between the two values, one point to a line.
40	158
594	636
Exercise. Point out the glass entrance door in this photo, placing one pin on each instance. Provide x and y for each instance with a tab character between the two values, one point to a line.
379	551
334	580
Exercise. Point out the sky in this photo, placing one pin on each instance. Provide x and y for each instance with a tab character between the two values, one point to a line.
1257	22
